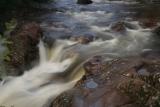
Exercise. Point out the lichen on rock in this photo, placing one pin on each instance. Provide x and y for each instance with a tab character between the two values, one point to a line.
119	84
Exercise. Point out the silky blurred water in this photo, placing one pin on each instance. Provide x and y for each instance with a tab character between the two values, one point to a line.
60	64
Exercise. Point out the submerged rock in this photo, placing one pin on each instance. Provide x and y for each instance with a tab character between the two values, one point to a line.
157	31
122	26
118	27
23	49
82	39
91	84
119	84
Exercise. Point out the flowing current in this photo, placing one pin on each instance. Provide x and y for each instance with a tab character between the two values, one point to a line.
41	83
60	66
44	82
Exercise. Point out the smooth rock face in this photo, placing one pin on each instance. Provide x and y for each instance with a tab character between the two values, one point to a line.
105	87
24	50
84	1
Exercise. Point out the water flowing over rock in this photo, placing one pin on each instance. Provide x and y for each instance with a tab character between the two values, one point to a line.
82	39
36	86
148	23
116	83
98	55
118	27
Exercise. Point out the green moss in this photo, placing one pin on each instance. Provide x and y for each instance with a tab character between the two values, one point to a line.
4	50
11	25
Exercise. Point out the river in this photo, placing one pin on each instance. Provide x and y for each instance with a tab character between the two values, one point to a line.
60	65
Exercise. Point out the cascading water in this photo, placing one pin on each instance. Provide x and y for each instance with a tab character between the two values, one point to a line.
38	85
60	67
41	83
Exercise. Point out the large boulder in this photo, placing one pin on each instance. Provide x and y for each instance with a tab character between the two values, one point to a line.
23	50
122	82
84	1
148	23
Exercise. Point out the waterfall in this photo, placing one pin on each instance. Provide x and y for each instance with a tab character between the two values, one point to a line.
43	82
36	86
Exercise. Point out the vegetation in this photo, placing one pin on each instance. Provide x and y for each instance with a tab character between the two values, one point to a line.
4	42
13	8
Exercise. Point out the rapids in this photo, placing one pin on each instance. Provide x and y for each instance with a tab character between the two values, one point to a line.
60	66
39	84
45	81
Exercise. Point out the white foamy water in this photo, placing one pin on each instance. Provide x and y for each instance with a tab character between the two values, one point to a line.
91	17
42	83
38	85
129	43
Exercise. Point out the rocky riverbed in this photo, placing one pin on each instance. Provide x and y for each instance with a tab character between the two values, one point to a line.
101	54
121	82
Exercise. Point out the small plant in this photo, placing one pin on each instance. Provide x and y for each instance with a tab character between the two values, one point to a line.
4	54
11	25
4	42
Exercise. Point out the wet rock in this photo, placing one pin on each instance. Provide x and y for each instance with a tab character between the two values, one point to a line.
148	23
119	84
84	1
151	54
157	31
23	49
82	39
130	25
143	72
122	25
94	66
65	100
49	41
91	84
118	27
